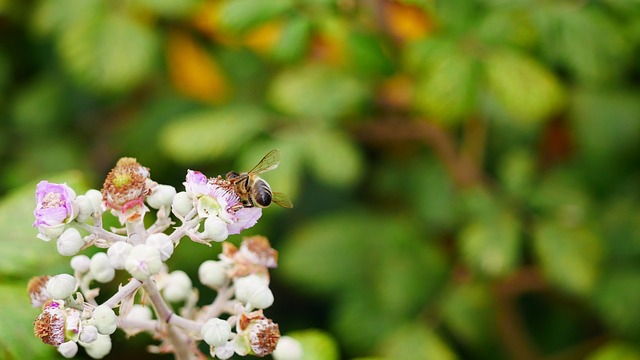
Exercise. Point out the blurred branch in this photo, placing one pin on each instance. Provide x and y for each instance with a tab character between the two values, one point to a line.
463	168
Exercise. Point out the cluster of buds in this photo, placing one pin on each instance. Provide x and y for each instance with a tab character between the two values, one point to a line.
232	323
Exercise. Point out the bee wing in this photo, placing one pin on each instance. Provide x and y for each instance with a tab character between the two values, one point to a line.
281	199
268	162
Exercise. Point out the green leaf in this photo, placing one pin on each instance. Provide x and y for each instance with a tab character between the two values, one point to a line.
38	105
17	340
491	244
294	41
615	350
241	15
615	299
316	92
50	18
316	344
24	255
210	134
525	89
367	55
170	8
517	173
333	157
110	53
570	257
447	90
468	310
414	341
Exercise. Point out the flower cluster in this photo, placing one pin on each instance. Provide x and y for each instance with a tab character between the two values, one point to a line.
232	323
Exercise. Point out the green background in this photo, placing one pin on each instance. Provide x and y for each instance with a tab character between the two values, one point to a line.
465	173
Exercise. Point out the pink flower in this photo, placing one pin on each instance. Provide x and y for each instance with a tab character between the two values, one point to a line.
218	197
54	204
125	188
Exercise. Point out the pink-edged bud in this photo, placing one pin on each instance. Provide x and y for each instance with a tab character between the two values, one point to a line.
70	242
125	189
143	262
104	319
178	286
182	204
61	286
213	274
288	348
118	254
37	288
99	348
215	229
101	269
163	243
216	332
162	195
68	349
80	263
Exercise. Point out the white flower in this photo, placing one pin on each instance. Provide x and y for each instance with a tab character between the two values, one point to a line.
143	262
163	243
104	319
288	348
216	332
61	286
162	195
118	254
69	242
101	269
213	274
68	349
178	286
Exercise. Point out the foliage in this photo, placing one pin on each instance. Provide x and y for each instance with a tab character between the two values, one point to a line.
464	172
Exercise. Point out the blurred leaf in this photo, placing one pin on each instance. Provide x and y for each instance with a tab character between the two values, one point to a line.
527	91
570	257
210	134
620	223
406	21
316	344
614	351
469	311
294	40
24	255
17	340
170	8
562	196
517	173
193	71
414	342
586	41
110	53
447	90
615	299
39	104
316	92
491	244
241	15
368	57
508	25
333	157
50	18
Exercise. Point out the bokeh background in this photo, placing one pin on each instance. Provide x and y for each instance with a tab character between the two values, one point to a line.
465	173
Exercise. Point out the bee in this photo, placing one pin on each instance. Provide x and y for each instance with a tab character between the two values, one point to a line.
253	190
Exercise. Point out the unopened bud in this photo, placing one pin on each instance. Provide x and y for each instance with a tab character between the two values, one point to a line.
101	269
61	286
68	349
213	274
216	332
88	334
182	204
288	348
99	348
80	263
162	195
143	262
104	319
246	287
215	229
178	286
95	196
163	243
70	242
85	208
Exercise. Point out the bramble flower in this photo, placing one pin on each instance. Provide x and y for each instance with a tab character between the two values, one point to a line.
255	256
54	208
259	333
57	324
37	288
125	189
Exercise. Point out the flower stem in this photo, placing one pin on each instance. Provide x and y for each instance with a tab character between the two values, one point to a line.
123	292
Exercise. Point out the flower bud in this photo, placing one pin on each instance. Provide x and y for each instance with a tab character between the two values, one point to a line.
99	348
88	334
178	286
104	319
162	195
61	286
95	196
139	313
118	254
70	242
85	208
182	204
224	351
288	348
80	263
68	349
101	269
143	262
215	229
52	232
163	243
246	287
261	298
216	332
213	274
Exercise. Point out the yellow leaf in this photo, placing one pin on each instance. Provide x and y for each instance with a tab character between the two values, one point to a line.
207	21
264	38
193	71
407	22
